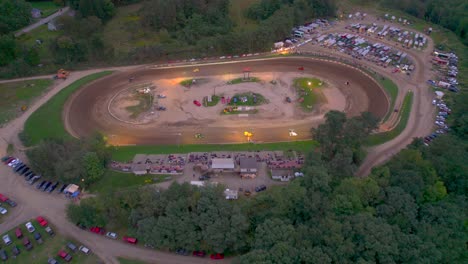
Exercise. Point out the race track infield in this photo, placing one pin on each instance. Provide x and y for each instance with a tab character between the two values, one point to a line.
83	113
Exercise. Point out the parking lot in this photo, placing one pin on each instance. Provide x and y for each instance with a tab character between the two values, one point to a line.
36	241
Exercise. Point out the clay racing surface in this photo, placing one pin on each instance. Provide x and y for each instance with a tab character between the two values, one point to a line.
87	110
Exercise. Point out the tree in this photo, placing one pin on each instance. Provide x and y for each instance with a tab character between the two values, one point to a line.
15	14
9	49
85	213
103	9
93	168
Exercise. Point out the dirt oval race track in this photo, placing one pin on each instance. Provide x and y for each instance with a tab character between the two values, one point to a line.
82	119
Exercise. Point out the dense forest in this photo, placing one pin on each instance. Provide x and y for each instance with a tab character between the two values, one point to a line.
411	210
184	29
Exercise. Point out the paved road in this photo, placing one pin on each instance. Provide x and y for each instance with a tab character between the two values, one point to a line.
32	203
41	22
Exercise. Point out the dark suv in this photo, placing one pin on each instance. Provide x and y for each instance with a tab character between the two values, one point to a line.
260	188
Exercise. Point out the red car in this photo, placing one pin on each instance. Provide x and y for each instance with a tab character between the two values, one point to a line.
3	198
196	102
97	230
63	254
199	253
217	256
10	159
18	233
42	221
130	240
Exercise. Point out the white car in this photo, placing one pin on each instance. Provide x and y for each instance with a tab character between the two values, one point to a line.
7	239
111	235
84	250
3	211
30	227
13	162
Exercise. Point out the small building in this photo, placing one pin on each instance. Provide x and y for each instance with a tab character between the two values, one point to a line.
36	13
139	169
281	175
231	194
248	167
222	164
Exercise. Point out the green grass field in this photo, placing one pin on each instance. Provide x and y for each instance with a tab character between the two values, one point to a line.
39	254
380	138
47	121
17	94
113	180
307	91
126	153
47	7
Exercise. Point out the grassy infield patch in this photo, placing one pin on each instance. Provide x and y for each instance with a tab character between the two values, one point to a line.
39	254
17	94
306	88
145	101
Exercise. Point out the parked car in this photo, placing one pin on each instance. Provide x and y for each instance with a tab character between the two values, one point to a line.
260	188
72	246
85	250
52	261
30	227
97	230
42	221
5	158
3	198
24	170
29	173
3	211
44	188
217	256
52	188
196	102
15	250
3	255
199	253
38	237
130	240
39	185
62	188
80	225
50	231
18	168
64	255
34	179
7	239
27	244
18	233
182	251
111	235
11	203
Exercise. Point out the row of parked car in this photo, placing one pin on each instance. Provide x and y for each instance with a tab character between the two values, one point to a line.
441	126
103	232
7	240
198	253
65	255
31	177
5	200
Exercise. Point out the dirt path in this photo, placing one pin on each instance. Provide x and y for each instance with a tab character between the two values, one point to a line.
42	21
